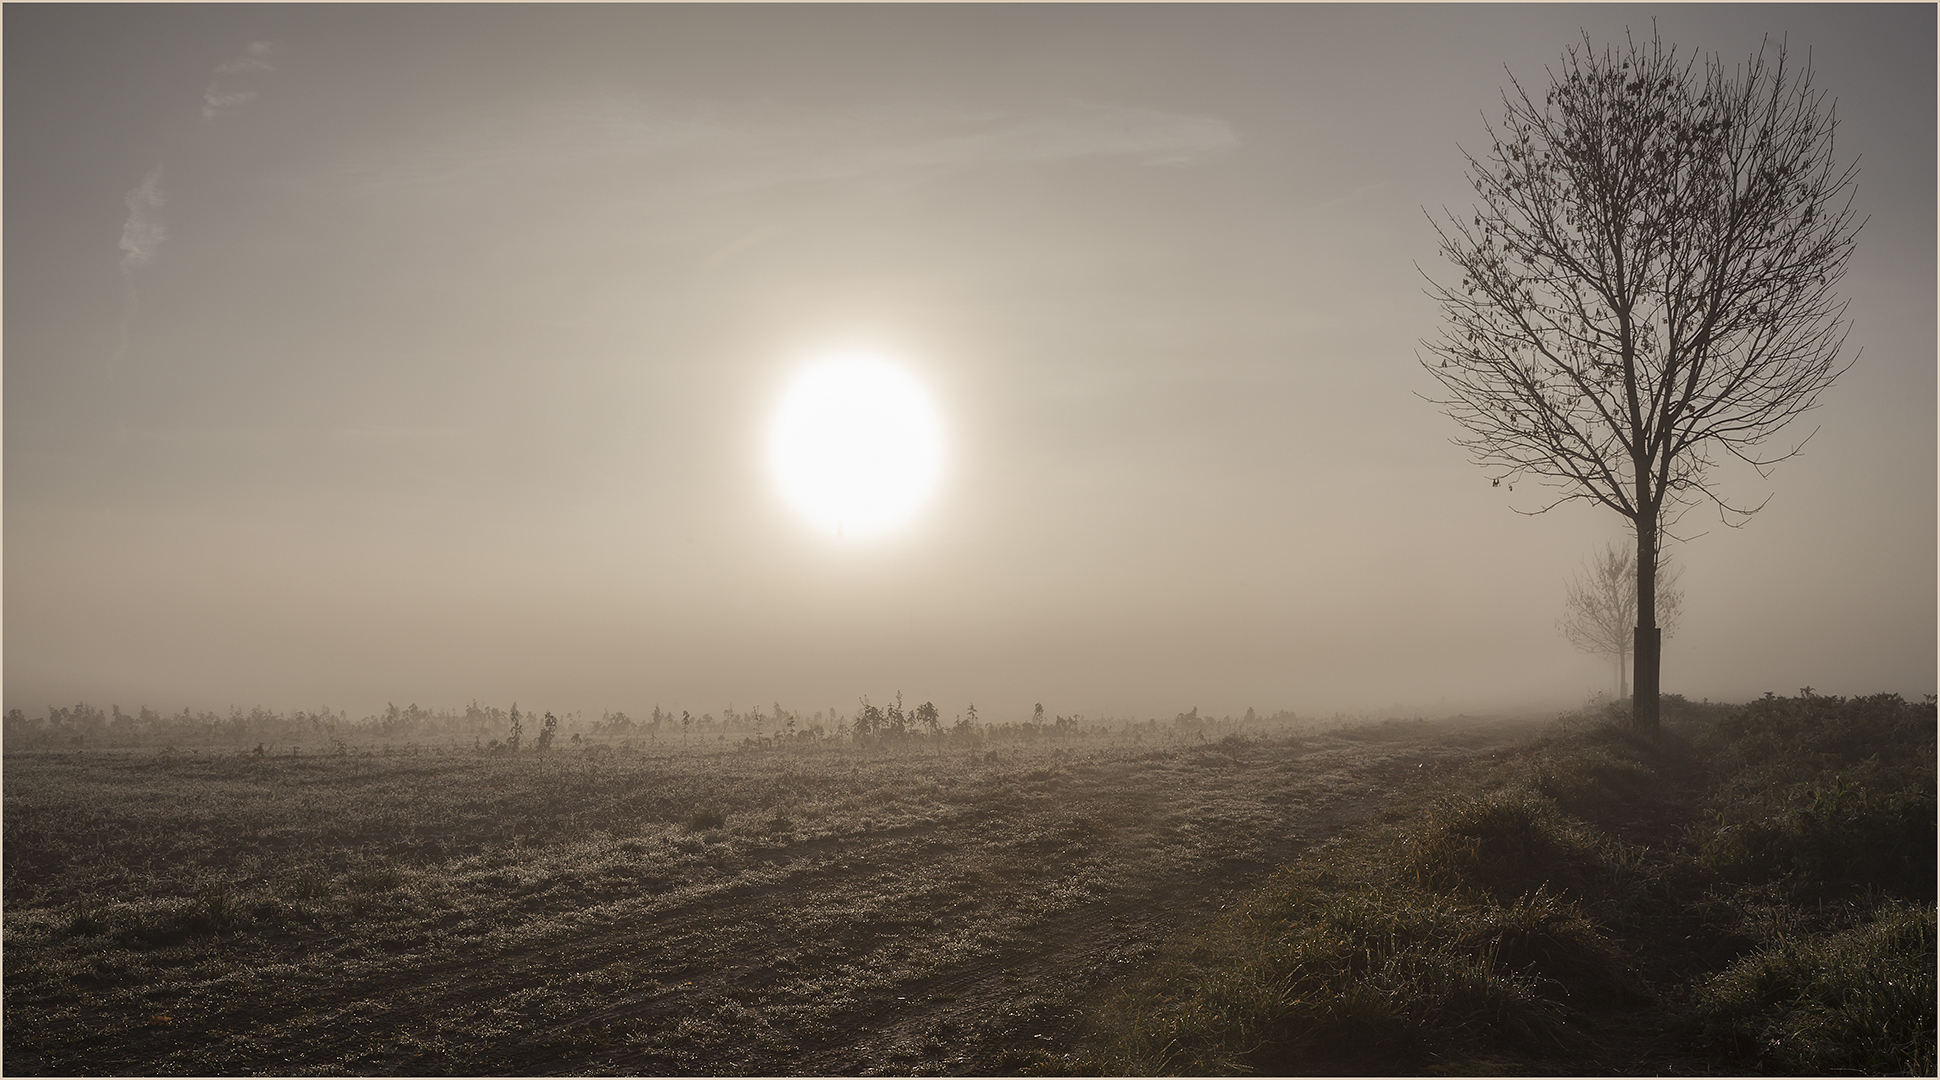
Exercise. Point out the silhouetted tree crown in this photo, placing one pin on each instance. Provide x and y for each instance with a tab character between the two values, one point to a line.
1647	283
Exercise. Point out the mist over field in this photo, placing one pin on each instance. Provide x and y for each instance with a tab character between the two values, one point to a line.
401	355
969	540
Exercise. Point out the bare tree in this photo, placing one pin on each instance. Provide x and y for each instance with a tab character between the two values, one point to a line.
1646	285
1600	606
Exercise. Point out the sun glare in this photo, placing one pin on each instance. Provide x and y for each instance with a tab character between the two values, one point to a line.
856	445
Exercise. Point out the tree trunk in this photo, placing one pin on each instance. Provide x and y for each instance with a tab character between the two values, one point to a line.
1649	643
1649	639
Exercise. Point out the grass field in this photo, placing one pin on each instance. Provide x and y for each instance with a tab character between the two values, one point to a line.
615	905
1751	894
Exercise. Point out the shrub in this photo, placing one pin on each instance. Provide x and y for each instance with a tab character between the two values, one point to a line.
1812	732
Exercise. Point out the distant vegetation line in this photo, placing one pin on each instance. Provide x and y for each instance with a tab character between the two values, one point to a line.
510	730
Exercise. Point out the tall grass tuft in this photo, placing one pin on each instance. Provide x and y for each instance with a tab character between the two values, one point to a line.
705	818
1506	843
1299	976
1859	1000
1592	780
1827	792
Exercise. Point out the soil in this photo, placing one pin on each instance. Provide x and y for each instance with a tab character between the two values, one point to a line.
989	1016
788	966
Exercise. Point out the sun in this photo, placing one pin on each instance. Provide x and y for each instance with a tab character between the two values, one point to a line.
856	446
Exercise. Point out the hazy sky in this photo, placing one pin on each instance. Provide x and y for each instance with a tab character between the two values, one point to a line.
421	354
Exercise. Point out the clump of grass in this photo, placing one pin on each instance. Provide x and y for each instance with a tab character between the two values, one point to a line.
373	879
1827	792
1505	843
1591	780
219	906
1851	827
214	910
89	919
1302	975
1858	1000
1539	935
1557	940
705	818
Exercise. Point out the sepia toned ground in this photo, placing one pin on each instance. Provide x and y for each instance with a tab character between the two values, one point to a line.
627	908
